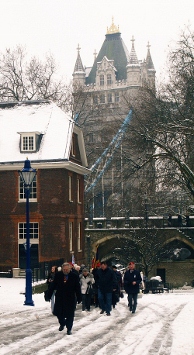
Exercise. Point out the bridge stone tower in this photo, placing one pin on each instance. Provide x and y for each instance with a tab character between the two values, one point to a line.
101	92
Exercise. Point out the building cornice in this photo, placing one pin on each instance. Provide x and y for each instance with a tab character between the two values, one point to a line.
57	164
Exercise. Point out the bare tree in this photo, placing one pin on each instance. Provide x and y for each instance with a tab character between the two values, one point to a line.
22	80
164	120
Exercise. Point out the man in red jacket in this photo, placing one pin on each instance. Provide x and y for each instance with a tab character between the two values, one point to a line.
132	279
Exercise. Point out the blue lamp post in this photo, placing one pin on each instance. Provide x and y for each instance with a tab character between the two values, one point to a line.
27	175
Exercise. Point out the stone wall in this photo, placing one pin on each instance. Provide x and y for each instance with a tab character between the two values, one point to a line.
178	273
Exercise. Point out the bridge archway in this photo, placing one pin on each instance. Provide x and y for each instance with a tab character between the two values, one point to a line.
115	247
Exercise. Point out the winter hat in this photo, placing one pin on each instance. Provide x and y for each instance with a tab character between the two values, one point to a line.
85	270
131	263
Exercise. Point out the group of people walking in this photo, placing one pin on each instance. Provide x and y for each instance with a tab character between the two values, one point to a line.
103	286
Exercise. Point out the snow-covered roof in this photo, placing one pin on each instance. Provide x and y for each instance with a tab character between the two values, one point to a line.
47	120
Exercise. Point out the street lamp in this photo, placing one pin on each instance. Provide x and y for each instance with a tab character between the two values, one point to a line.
27	175
88	249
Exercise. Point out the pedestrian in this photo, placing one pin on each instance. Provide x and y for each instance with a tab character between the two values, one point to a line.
96	283
67	286
107	283
73	269
86	282
170	220
49	281
132	279
179	220
117	292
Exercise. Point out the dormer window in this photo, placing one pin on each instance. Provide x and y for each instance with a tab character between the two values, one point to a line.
30	141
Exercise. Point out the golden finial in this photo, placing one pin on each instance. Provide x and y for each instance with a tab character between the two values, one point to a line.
112	29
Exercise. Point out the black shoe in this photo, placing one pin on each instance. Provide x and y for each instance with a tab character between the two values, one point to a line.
108	314
101	312
130	309
133	311
69	332
61	328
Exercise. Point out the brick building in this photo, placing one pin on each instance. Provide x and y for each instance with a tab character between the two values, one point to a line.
43	133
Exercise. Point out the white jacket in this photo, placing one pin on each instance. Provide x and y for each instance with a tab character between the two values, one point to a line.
84	282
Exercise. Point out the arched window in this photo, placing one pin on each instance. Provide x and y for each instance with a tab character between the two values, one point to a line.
109	79
101	80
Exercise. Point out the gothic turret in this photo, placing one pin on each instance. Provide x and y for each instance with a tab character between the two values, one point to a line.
150	68
79	71
133	67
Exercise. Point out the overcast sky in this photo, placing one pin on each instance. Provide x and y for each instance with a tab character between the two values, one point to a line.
57	26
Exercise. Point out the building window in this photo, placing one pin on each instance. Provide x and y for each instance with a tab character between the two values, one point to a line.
102	99
73	145
95	99
109	79
70	188
34	230
109	97
33	190
28	143
116	97
101	80
79	237
70	236
90	138
79	190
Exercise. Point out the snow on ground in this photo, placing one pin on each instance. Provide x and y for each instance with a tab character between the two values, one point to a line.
163	324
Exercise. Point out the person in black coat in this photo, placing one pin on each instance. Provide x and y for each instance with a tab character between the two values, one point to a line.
49	281
107	283
116	293
132	279
67	287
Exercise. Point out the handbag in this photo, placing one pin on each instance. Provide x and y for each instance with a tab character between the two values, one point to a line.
89	290
47	299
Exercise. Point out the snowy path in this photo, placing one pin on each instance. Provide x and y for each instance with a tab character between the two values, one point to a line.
154	329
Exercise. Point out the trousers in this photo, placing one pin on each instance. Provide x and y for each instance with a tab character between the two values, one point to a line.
105	301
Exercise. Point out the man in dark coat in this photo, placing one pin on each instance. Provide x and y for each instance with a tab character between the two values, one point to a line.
67	287
132	279
107	283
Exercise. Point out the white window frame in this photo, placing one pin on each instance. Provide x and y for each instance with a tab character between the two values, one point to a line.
34	231
79	237
79	190
70	236
28	146
73	146
70	188
33	190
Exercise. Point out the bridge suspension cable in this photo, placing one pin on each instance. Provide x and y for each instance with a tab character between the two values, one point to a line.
102	163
